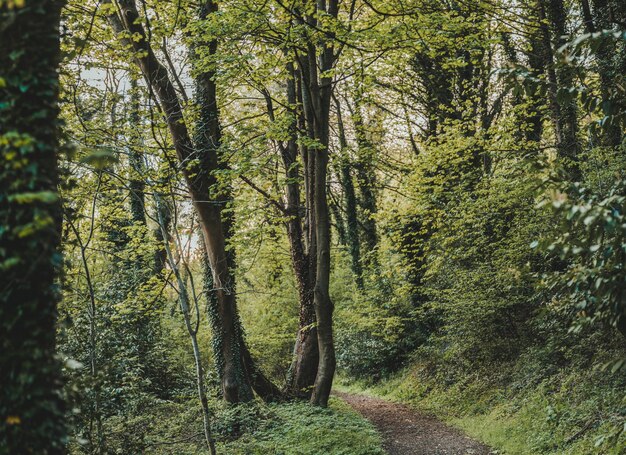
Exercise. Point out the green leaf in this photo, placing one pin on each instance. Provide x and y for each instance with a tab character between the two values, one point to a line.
46	197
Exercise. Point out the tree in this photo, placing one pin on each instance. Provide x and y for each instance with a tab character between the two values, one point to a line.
350	203
303	369
553	24
31	403
317	89
610	61
199	163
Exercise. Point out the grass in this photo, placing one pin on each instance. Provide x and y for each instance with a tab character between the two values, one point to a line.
571	413
248	429
299	429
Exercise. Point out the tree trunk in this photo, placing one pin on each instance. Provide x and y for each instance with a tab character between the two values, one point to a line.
199	161
32	411
349	196
235	386
316	93
528	108
366	177
136	185
564	113
533	117
322	302
303	369
606	14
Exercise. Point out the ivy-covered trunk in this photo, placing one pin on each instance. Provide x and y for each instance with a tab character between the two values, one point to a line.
136	184
238	371
610	59
366	178
217	230
32	416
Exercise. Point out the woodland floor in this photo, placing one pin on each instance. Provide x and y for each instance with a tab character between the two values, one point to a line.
408	432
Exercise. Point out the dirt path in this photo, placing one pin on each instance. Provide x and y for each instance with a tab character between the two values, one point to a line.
407	432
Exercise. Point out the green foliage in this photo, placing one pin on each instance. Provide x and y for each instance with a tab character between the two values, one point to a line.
304	430
374	333
593	245
268	296
253	428
576	411
446	161
476	204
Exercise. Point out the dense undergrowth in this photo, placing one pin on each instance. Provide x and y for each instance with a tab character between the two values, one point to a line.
493	340
521	408
303	430
247	429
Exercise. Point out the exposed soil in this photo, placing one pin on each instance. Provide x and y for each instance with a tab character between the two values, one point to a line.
407	432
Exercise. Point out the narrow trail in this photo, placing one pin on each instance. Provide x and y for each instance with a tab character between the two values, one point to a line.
407	432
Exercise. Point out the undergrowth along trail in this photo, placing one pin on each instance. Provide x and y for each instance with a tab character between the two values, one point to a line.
408	432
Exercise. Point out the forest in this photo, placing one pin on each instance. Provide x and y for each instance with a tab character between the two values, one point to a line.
309	227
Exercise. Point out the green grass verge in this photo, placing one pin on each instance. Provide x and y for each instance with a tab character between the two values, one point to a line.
300	429
254	428
571	413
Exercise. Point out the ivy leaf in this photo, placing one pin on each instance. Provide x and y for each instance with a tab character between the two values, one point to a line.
46	197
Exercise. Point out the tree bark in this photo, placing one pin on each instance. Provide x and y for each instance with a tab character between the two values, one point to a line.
317	87
207	142
610	65
305	357
32	410
366	177
136	185
349	196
